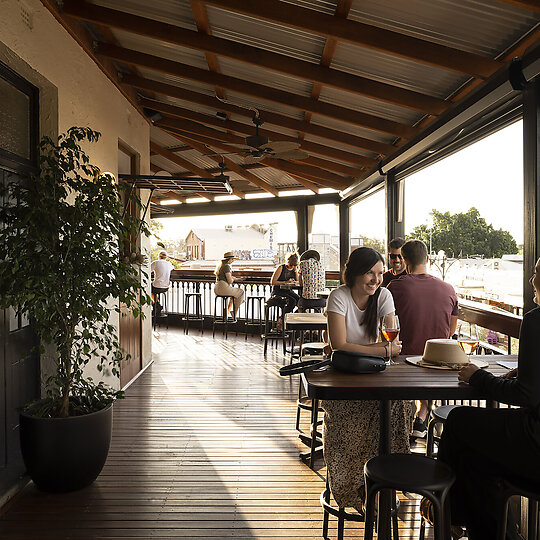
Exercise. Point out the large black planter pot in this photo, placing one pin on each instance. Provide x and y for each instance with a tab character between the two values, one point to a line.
65	454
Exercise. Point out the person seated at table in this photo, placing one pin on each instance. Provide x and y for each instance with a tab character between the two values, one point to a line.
286	274
351	428
312	279
484	447
396	265
224	281
427	308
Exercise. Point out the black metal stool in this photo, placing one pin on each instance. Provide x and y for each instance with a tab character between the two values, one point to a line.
438	416
272	314
411	473
530	492
251	302
343	515
222	319
160	298
196	299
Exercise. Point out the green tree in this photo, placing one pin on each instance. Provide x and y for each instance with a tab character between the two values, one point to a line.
465	234
373	243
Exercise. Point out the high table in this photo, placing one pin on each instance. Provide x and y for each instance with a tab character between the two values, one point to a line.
303	321
398	381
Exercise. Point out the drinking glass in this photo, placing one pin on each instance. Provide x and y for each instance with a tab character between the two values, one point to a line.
390	330
468	338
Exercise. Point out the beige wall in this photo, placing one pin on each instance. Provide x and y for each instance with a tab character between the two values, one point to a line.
73	92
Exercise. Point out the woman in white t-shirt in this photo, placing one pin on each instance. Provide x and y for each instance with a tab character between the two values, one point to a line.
351	428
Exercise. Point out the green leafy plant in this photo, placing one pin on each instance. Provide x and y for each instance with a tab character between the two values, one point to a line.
64	235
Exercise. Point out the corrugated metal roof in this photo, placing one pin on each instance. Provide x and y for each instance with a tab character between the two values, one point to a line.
397	71
256	102
167	11
265	35
275	177
161	49
369	105
177	81
485	27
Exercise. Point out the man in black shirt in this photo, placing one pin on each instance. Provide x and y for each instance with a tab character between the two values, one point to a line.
395	263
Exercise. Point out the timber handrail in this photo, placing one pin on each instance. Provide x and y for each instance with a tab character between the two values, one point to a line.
490	317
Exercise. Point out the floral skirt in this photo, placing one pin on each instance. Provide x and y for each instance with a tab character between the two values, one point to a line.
351	437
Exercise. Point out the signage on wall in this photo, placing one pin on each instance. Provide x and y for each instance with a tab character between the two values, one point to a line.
263	254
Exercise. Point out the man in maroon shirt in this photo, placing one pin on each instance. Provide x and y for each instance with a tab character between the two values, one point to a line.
396	264
427	308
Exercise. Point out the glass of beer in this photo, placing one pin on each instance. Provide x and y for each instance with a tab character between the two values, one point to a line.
468	338
390	330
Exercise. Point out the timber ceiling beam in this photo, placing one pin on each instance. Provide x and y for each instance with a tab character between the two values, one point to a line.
175	196
212	135
81	35
306	183
278	120
372	37
533	5
298	69
315	174
171	156
249	88
231	165
192	119
342	11
203	26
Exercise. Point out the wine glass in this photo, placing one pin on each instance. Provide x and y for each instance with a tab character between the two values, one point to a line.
390	330
468	338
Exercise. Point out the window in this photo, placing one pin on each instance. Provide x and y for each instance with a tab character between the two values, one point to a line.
324	234
368	222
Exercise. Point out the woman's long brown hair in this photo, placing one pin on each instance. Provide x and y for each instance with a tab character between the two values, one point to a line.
360	262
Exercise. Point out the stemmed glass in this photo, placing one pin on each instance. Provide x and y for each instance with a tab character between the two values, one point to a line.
390	330
468	338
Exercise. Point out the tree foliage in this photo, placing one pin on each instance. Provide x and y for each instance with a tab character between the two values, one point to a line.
67	253
465	234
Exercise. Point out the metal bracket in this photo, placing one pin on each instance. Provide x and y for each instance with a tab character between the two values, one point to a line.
515	74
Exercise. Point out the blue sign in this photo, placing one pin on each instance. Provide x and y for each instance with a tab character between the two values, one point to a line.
263	254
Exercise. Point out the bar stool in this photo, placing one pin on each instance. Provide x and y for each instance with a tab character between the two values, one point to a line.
251	302
530	492
343	515
272	313
194	298
412	473
438	417
222	319
160	298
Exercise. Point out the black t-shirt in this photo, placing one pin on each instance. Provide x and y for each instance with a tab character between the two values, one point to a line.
389	276
524	390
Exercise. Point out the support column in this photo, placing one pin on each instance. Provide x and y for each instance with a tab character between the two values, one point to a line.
302	227
531	187
395	205
344	233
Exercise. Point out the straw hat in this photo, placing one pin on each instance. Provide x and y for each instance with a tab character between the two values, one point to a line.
228	255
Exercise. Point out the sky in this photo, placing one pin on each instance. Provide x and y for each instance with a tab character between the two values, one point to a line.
487	175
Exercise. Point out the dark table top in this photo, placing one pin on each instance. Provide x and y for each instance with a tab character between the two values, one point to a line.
397	381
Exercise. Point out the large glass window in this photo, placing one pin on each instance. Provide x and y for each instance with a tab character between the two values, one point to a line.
468	208
324	235
368	222
259	240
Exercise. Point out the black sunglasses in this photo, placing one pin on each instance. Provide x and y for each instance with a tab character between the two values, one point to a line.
395	256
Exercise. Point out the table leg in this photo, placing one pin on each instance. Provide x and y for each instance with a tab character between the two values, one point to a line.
384	514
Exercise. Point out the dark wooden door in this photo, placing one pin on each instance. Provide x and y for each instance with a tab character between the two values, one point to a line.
19	384
130	326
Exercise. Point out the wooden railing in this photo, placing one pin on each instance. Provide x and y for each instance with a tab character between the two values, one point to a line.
257	283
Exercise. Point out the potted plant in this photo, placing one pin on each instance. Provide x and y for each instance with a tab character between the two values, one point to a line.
67	262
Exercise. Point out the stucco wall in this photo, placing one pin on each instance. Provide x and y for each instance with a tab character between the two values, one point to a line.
74	91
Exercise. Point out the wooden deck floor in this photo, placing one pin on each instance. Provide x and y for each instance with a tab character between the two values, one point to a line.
204	447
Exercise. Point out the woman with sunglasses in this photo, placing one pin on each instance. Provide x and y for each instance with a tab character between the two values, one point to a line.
395	261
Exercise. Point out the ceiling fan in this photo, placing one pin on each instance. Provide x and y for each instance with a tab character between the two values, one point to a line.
258	147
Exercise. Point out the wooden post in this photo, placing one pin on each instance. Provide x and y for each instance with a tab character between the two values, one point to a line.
344	233
395	218
302	227
531	187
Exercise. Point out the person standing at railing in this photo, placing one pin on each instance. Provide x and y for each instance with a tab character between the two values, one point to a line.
224	284
161	268
312	279
487	446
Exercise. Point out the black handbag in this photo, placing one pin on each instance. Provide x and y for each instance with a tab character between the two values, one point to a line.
345	361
